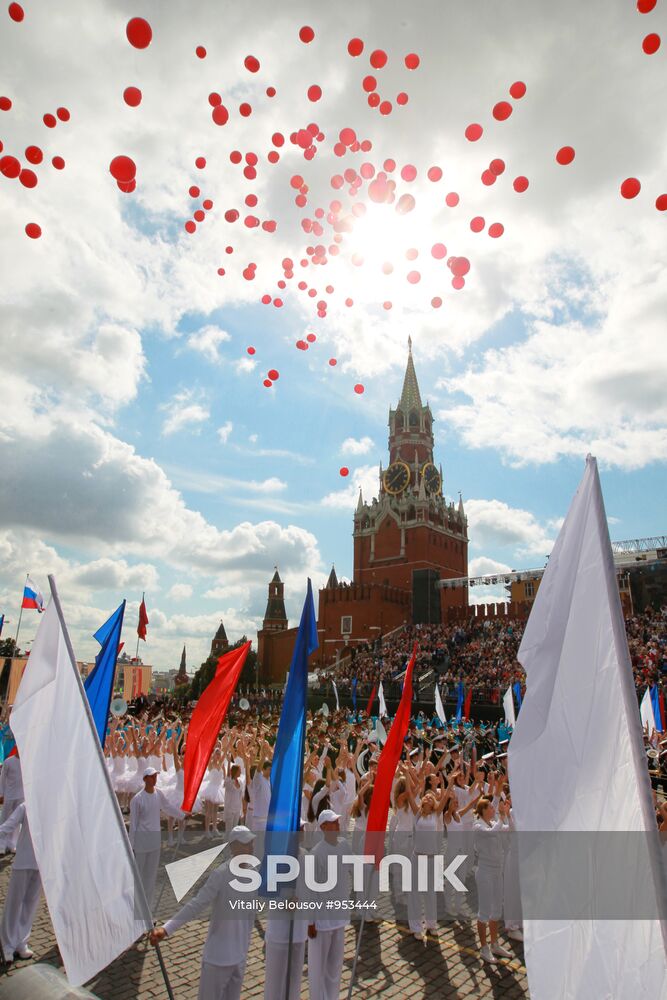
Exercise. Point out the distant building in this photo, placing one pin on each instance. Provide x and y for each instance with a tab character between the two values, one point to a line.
181	677
163	681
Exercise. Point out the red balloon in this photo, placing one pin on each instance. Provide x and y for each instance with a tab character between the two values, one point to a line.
378	59
33	154
9	166
251	64
373	99
385	108
474	132
434	174
488	178
194	191
139	32
344	471
306	34
359	389
270	91
369	83
496	229
458	282
412	61
311	338
200	162
58	162
414	277
497	167
452	199
63	114
630	187
436	302
5	103
190	226
267	381
517	90
661	202
651	44
199	215
33	230
439	251
132	96
273	375
402	98
122	168
565	155
333	362
214	99
49	120
477	224
28	178
355	46
502	110
127	187
408	172
314	93
251	350
244	109
220	115
200	52
17	14
405	203
520	184
347	136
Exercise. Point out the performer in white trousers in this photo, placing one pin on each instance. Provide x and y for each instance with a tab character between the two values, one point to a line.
233	804
23	892
326	944
423	905
276	941
260	797
145	809
489	846
11	796
227	941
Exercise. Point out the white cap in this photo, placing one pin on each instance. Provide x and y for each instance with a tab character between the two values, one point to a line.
327	816
149	772
241	834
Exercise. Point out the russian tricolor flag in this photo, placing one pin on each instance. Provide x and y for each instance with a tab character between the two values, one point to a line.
32	597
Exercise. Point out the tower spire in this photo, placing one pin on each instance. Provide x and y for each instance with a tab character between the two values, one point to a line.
410	397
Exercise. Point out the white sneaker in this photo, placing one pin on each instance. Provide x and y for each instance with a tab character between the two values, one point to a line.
515	934
485	952
24	953
499	951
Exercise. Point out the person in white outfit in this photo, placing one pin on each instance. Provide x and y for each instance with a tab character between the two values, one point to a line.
277	950
489	847
23	892
145	809
260	797
423	905
512	916
226	948
11	796
233	798
326	936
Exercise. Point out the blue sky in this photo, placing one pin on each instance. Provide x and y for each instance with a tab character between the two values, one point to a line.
145	452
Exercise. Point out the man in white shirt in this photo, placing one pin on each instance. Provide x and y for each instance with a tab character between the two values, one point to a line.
11	796
23	892
260	797
228	939
326	944
145	809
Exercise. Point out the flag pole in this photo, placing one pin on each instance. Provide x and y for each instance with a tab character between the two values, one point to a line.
139	887
18	627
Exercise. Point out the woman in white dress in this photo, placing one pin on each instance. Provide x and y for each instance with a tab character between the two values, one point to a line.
359	814
489	846
174	795
213	793
459	841
423	905
405	800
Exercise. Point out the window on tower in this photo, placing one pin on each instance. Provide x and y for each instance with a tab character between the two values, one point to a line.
414	418
399	421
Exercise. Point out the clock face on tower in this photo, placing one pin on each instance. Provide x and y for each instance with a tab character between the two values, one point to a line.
396	478
431	478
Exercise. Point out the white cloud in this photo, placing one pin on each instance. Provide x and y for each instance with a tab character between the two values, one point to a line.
179	592
225	431
208	482
364	478
354	446
182	411
484	566
493	524
207	340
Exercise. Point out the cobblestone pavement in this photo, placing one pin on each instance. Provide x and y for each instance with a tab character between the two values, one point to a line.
391	964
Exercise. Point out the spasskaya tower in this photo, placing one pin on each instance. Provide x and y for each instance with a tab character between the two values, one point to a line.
409	537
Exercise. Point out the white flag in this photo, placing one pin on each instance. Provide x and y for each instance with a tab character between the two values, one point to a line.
80	843
647	714
439	708
336	696
383	707
508	705
577	761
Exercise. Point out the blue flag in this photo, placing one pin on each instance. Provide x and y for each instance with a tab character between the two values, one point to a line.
99	683
7	743
354	694
517	693
459	703
284	815
2	622
655	701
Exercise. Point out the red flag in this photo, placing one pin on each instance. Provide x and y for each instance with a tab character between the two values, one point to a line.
143	620
206	720
467	704
371	699
389	758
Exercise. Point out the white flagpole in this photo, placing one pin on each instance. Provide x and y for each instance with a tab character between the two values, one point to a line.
139	888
